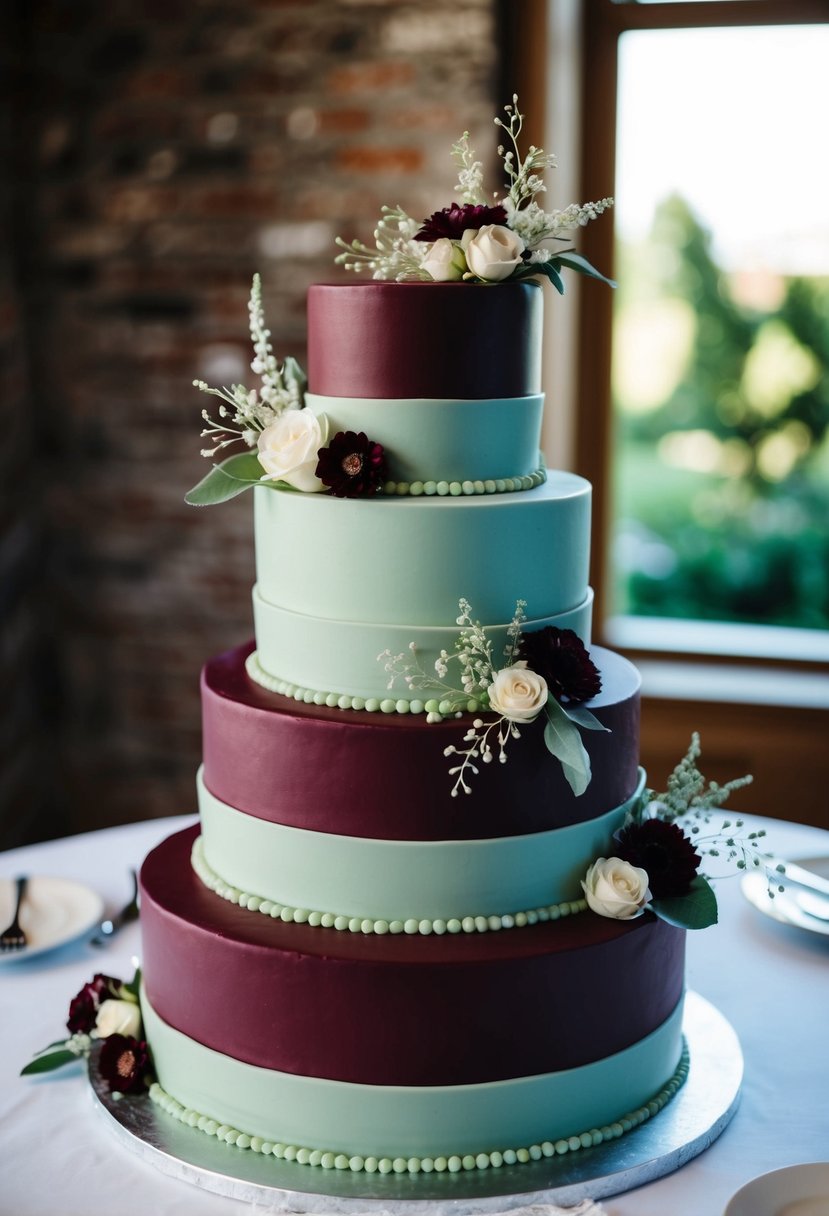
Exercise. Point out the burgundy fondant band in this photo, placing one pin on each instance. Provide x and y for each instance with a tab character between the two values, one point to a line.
437	340
386	776
398	1010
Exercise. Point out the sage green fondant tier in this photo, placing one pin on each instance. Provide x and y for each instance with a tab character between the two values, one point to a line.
299	654
407	561
431	1122
401	880
443	440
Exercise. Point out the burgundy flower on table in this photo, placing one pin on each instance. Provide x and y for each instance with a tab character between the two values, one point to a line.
124	1063
559	655
83	1009
453	221
664	851
352	465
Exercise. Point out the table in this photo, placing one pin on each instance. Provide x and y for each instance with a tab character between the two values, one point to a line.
770	981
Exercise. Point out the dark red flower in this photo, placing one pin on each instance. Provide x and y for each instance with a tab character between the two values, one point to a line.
84	1007
125	1064
352	466
664	851
453	221
559	655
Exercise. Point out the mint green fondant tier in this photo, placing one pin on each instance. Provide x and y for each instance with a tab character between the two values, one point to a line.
443	440
417	1123
407	561
302	655
401	881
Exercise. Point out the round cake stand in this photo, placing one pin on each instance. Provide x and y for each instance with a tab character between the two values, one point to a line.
686	1127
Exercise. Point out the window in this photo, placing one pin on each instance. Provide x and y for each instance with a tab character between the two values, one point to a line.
701	407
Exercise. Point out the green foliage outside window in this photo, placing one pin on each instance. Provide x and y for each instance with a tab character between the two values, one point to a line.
721	384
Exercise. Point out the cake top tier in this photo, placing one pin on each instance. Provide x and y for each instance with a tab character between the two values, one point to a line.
428	340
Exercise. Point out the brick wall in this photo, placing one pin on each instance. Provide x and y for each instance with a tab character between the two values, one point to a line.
162	152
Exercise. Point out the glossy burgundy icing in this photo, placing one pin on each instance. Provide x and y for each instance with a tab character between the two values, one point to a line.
398	1010
438	340
385	775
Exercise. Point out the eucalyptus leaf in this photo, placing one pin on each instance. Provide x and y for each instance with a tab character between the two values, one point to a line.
563	740
292	373
233	476
696	910
134	985
48	1062
577	261
550	270
584	718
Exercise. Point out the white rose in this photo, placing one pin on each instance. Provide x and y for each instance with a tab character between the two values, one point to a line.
445	261
615	888
518	693
288	449
492	252
118	1017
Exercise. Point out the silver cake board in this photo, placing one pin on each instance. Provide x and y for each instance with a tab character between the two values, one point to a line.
690	1122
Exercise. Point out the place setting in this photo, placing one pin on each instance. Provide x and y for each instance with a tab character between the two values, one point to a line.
43	913
797	894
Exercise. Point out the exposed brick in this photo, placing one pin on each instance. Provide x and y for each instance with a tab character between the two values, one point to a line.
164	152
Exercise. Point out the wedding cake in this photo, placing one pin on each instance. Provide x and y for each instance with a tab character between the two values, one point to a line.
425	922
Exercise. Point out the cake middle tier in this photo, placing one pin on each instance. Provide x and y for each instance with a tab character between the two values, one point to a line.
340	581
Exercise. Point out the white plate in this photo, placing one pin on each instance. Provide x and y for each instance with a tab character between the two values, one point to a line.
54	911
786	906
775	1194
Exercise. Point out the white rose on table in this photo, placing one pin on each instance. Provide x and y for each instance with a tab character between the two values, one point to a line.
615	888
492	252
517	693
118	1017
445	261
288	449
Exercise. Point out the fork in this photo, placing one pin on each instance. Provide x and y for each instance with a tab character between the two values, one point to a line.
111	925
13	938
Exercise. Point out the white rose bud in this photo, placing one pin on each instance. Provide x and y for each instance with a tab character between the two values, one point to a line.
517	693
288	449
118	1017
615	888
492	252
445	261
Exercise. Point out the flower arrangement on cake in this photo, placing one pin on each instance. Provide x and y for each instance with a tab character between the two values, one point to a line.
482	239
105	1011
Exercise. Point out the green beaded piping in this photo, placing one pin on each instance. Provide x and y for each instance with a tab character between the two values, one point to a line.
360	924
435	710
456	489
454	1164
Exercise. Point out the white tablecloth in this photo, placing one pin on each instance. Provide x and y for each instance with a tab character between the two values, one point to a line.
58	1156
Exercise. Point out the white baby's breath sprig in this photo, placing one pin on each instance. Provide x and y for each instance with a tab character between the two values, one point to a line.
470	184
253	410
523	173
396	255
480	748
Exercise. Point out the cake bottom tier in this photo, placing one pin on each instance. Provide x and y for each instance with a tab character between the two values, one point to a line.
403	1048
408	1129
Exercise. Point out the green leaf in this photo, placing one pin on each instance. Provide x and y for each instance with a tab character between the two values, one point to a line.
46	1063
550	270
696	910
576	261
233	476
563	740
584	718
292	373
133	988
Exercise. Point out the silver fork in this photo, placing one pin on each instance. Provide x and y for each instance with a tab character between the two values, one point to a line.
13	938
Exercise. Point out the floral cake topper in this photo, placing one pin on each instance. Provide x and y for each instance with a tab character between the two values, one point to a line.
546	671
482	239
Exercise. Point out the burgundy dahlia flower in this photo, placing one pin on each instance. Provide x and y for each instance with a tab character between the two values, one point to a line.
124	1063
352	466
83	1009
559	655
664	851
453	221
